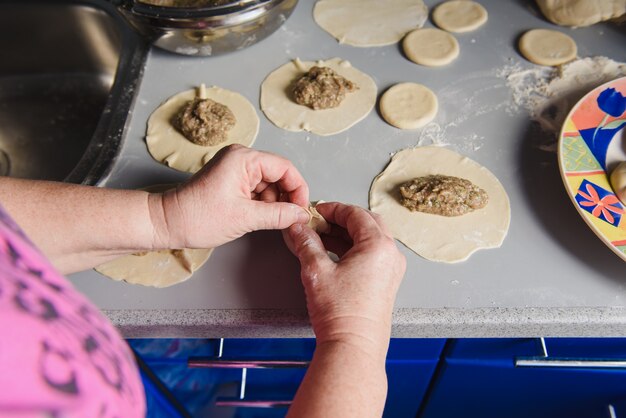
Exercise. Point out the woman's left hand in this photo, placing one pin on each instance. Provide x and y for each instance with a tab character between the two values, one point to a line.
239	191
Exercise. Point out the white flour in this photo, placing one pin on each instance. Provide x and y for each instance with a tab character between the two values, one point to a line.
548	94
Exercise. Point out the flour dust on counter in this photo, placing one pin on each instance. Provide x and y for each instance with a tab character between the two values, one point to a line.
548	94
447	239
282	110
168	145
366	23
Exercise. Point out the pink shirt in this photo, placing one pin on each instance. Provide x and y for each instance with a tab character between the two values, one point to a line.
59	356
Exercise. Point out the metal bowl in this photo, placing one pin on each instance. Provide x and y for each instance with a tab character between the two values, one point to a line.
209	30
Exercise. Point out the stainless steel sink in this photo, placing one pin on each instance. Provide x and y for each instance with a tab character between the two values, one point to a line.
68	74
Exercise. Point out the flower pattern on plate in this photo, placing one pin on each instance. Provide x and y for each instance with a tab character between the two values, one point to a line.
600	202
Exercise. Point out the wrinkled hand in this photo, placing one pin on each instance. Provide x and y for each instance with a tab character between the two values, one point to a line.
239	191
354	297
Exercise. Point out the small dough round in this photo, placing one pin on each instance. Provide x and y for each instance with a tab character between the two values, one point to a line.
431	47
547	47
460	16
618	181
434	237
408	105
283	112
366	23
168	146
156	268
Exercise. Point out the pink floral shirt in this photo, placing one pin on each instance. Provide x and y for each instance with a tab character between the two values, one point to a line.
59	356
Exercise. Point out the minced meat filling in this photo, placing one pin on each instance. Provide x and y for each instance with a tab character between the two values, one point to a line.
442	195
205	122
321	88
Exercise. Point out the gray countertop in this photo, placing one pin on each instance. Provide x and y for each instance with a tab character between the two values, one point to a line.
551	277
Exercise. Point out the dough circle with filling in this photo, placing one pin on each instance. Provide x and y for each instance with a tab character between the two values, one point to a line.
156	268
459	16
408	105
167	145
547	47
284	112
366	23
435	237
431	47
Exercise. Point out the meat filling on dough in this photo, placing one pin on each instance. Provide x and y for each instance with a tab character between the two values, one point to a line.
321	88
442	195
205	122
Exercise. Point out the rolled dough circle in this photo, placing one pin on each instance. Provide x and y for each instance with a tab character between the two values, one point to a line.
430	47
366	23
434	237
618	181
168	146
459	16
408	105
283	112
156	268
547	47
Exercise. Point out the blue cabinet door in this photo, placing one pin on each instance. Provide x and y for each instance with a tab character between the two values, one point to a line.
480	378
410	366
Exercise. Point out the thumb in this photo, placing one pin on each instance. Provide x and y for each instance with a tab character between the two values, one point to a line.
305	244
276	215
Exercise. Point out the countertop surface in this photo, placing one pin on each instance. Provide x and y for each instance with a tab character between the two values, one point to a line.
551	277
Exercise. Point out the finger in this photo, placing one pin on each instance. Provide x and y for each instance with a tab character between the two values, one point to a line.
272	168
358	222
305	244
270	194
276	215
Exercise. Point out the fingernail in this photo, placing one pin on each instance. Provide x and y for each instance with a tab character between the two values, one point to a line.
303	215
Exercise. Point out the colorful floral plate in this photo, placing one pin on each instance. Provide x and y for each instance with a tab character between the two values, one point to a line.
591	144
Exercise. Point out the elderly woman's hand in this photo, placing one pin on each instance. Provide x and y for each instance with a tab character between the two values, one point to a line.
240	190
352	299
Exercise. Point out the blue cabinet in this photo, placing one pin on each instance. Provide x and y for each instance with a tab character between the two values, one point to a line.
208	391
513	378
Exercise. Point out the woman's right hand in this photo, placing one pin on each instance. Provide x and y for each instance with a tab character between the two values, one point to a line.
352	299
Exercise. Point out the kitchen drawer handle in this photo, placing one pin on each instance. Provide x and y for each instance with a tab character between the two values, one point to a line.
544	360
244	364
241	403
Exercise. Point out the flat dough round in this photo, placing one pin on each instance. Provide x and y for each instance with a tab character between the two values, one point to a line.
547	47
618	181
156	268
408	105
431	47
367	23
434	237
283	112
460	16
168	146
